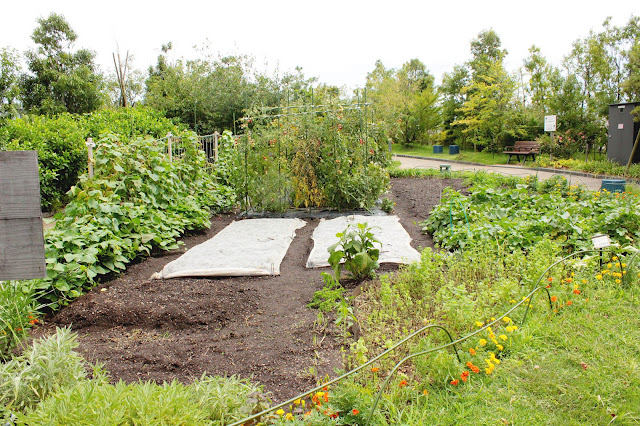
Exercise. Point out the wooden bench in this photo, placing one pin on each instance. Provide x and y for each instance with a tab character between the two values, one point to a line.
524	148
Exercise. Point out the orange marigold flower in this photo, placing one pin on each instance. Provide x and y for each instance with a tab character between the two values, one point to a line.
554	298
475	369
374	369
576	291
425	392
469	364
568	280
550	279
472	351
326	397
355	412
569	303
455	382
403	383
464	376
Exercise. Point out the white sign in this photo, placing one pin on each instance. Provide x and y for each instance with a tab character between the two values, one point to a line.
550	123
620	126
601	241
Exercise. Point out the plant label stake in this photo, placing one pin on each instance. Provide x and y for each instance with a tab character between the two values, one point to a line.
90	144
601	241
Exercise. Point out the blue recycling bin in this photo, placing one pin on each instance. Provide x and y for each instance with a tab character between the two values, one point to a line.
437	149
613	185
454	149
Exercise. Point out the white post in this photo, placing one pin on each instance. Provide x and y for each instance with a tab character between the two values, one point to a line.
90	144
216	135
169	147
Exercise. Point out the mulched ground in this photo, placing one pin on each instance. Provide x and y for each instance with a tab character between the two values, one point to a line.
254	327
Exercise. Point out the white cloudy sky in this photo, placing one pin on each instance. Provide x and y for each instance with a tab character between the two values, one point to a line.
336	41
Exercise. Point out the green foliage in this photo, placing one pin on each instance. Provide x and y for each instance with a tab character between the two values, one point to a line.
60	142
312	156
60	80
137	202
9	88
326	299
44	369
18	309
405	102
522	216
356	248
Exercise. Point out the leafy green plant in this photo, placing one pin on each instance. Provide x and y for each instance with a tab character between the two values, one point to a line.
309	157
523	215
137	202
356	248
49	365
326	299
18	312
387	205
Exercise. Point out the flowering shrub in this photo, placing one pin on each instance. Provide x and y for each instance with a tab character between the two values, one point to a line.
564	145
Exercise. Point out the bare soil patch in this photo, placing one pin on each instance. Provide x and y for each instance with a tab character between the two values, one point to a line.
254	327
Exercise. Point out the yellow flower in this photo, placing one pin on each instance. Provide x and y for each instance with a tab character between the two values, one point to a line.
506	319
512	301
618	281
488	370
598	277
479	324
482	342
584	281
500	347
493	319
289	416
503	337
624	265
297	401
280	412
609	265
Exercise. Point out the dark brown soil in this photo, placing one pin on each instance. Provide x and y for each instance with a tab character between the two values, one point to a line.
254	327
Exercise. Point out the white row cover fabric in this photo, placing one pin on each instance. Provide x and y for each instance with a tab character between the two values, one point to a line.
396	242
244	248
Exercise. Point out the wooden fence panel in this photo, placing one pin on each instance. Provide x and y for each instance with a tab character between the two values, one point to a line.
21	237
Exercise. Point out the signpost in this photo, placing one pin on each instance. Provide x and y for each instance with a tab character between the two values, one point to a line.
550	122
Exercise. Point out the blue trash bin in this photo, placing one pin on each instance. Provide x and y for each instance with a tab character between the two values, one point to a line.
454	149
437	149
613	185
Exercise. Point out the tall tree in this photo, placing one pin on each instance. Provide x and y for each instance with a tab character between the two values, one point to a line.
9	78
406	101
60	80
487	115
453	98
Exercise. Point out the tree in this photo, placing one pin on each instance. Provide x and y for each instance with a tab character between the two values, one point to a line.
453	98
487	115
60	80
406	101
538	85
9	78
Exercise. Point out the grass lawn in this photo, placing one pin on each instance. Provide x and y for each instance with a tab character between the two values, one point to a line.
488	158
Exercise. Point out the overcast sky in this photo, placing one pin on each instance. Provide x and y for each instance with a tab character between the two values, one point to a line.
336	41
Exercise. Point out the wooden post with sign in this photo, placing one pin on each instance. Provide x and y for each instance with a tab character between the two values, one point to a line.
21	237
550	122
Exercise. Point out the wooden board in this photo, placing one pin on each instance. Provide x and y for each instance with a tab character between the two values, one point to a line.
21	237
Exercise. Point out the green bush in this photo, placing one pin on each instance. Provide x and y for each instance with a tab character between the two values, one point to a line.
62	153
60	142
46	367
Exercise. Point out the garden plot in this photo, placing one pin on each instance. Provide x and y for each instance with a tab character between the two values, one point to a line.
396	242
246	248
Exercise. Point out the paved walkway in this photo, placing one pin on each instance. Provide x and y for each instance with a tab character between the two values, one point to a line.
509	170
